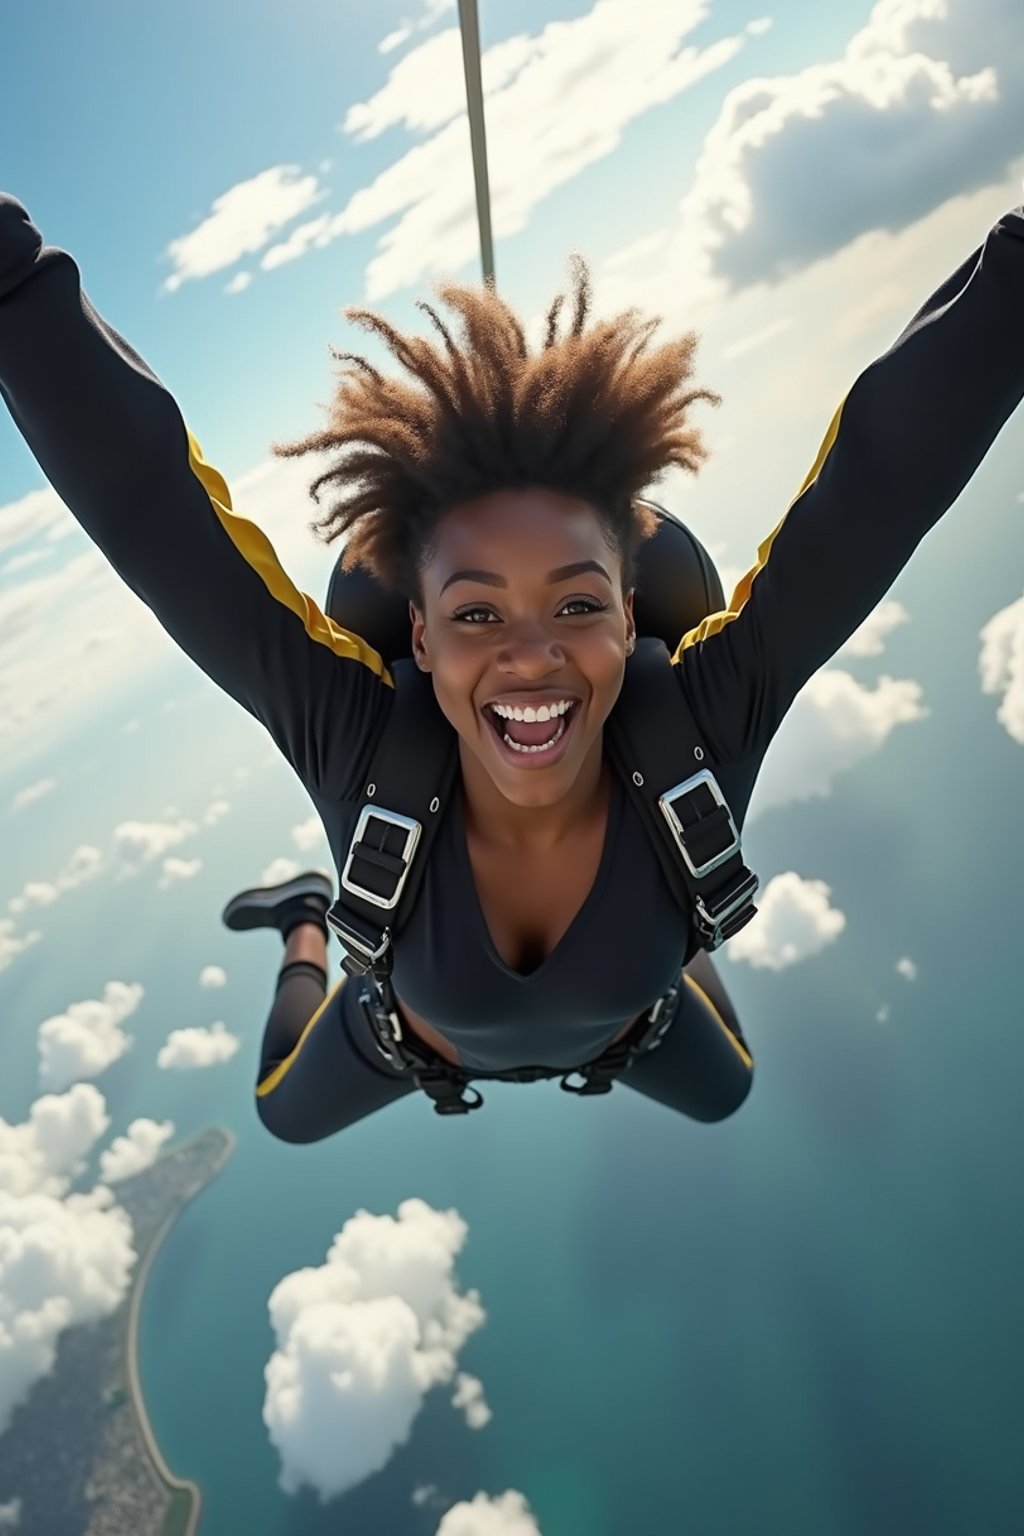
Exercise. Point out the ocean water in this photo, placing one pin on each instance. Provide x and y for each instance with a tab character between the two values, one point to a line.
805	1319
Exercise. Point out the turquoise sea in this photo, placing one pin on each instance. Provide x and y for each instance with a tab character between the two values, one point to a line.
804	1320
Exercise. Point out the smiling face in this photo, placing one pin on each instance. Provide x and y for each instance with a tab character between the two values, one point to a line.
505	620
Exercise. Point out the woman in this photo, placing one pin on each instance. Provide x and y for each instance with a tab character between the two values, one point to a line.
498	494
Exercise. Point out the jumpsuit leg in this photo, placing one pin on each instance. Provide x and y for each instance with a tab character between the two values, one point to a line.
320	1069
703	1067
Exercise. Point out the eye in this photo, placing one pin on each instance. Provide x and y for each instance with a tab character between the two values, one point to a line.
592	606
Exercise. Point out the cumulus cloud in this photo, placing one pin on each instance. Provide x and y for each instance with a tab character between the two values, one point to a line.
870	637
85	864
195	1047
177	870
906	968
795	920
361	1340
833	724
213	976
507	1515
10	1515
140	842
798	166
135	1151
469	1396
308	834
87	1038
64	1258
1001	666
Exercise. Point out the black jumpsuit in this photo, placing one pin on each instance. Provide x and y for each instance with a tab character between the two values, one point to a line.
111	440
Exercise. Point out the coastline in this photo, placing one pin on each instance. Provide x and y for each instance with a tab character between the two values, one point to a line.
178	1488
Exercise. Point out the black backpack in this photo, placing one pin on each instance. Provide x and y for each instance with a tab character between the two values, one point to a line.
653	744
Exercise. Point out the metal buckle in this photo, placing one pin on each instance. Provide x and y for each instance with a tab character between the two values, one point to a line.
687	786
715	917
412	831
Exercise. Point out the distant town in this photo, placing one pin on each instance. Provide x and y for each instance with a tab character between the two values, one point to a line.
79	1457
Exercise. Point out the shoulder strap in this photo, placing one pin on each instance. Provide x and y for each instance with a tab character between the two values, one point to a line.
653	744
411	775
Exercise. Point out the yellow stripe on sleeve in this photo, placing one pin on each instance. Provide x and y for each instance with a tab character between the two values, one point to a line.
258	552
715	622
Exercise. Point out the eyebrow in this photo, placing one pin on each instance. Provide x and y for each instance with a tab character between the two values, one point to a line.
560	573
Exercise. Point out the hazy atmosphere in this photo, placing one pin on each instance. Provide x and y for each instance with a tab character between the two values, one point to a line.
551	1318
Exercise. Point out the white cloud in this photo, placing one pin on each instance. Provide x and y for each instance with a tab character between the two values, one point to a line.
190	1048
507	1515
309	834
469	1395
213	976
906	968
1001	666
12	945
794	921
86	1039
177	870
64	1258
244	219
140	842
870	637
833	724
135	1151
33	792
798	166
360	1341
556	103
85	864
10	1515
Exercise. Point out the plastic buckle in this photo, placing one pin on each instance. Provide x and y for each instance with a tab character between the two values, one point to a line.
449	1105
591	1084
685	788
390	1045
659	1017
713	919
406	824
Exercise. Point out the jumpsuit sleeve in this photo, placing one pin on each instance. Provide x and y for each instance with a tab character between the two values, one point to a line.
111	441
904	442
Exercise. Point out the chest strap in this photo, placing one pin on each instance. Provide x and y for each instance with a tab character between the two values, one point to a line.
652	741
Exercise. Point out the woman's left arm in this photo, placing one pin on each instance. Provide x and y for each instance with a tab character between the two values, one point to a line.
901	447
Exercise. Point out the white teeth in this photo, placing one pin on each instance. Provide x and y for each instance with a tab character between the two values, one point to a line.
546	711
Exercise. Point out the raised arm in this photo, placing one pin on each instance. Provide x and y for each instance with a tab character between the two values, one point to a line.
901	447
111	441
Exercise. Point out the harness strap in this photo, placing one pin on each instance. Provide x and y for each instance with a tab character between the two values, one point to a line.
447	1084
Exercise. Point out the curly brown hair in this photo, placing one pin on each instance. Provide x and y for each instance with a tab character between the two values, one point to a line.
592	415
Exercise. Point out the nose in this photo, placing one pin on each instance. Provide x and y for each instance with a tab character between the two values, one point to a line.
529	651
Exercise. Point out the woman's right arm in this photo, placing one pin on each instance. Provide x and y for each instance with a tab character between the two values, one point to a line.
111	440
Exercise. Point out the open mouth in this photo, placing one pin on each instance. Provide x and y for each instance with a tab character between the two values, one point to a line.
536	756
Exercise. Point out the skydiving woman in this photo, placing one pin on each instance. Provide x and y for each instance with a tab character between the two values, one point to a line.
498	491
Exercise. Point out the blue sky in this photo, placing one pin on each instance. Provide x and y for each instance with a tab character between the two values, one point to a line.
793	181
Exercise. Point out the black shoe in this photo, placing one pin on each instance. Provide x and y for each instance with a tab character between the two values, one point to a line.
264	906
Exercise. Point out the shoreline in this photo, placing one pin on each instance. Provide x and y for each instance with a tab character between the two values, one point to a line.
176	1486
